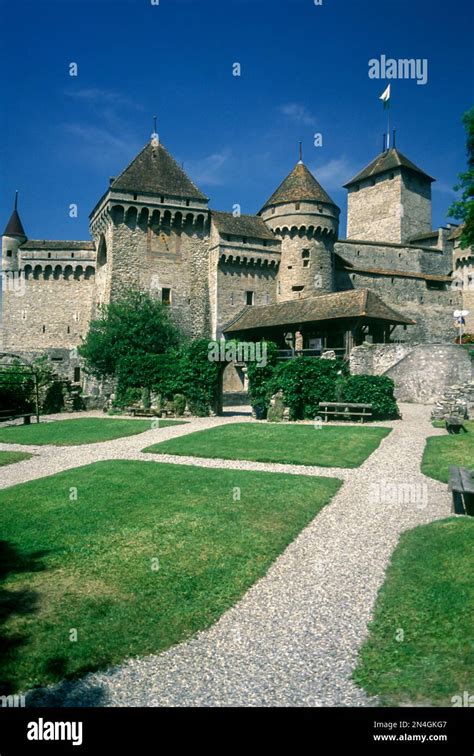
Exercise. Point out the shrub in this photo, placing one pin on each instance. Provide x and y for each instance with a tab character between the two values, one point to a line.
305	382
372	389
16	388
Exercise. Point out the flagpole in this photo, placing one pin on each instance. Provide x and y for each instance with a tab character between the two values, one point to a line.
388	125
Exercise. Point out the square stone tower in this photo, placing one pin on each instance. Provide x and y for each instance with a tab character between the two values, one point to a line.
151	230
389	200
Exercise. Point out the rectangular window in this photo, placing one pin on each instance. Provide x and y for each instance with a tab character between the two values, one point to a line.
77	374
9	253
249	296
435	285
166	296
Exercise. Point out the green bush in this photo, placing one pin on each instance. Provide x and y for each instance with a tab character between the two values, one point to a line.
124	397
185	371
372	389
305	382
16	388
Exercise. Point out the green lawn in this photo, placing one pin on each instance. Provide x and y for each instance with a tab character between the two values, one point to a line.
443	451
87	564
8	458
86	430
428	596
330	446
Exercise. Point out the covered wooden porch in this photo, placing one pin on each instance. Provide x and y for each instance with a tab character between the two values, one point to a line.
329	322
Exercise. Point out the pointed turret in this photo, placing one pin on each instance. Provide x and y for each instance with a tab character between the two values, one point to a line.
300	185
14	226
13	237
303	215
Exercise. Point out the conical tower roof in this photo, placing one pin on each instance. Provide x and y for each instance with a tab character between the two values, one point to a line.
154	171
14	226
298	186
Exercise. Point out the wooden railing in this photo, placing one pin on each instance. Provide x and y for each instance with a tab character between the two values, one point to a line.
290	354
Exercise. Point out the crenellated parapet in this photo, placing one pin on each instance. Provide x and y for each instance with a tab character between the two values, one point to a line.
255	260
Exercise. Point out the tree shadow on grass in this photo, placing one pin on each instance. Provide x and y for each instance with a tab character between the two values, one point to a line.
21	603
14	602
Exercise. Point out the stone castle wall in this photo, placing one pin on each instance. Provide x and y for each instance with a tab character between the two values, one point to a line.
156	257
233	283
46	313
377	255
389	207
421	372
432	310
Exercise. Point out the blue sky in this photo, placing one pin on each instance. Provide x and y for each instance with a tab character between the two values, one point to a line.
304	70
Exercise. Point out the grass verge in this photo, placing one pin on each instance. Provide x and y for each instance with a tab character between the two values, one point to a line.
134	557
420	650
443	451
329	446
86	430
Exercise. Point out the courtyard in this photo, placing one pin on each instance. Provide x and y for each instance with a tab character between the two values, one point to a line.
185	564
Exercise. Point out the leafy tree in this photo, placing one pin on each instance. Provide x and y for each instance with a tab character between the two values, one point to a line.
131	328
16	388
463	209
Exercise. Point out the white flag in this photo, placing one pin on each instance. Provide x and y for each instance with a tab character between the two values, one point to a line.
386	97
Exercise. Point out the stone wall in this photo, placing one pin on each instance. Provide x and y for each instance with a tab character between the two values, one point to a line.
51	313
307	265
421	373
431	309
391	206
376	359
157	257
402	257
233	283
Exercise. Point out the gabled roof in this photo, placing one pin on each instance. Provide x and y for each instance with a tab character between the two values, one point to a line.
57	244
242	225
14	226
298	186
387	161
154	171
359	303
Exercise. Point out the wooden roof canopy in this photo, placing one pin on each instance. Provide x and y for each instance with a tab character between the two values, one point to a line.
361	303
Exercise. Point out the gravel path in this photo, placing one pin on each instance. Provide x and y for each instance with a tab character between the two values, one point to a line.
293	638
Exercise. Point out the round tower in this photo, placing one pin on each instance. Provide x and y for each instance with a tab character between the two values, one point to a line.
13	237
305	218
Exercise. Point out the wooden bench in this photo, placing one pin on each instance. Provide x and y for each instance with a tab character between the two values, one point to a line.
140	412
345	411
461	484
12	415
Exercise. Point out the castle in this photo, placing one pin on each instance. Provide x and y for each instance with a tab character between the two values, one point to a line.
277	274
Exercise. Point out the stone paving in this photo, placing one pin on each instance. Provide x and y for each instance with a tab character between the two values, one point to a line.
293	638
